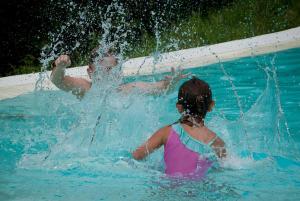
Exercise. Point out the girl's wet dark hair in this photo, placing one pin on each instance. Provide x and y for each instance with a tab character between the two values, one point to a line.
196	97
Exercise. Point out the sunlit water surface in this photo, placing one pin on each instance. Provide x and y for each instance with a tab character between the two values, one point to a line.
55	147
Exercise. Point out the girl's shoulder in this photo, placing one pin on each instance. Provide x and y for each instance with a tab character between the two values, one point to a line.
164	132
165	129
202	134
209	136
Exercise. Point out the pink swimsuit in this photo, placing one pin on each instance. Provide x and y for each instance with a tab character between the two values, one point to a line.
182	154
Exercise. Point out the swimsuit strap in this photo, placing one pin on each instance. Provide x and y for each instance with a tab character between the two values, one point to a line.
190	142
177	127
212	141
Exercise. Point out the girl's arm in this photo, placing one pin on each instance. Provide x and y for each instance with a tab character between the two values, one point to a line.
218	146
154	142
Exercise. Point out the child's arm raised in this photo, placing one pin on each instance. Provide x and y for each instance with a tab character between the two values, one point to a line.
78	86
154	142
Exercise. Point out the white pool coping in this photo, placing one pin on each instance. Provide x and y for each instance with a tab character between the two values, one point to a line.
13	86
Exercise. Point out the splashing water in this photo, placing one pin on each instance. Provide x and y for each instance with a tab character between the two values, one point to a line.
84	146
80	150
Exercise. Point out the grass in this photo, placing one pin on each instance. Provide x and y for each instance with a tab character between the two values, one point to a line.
241	19
29	65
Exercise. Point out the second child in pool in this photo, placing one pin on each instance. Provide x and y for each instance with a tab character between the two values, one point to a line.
188	143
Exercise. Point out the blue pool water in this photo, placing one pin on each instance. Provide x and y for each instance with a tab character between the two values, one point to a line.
47	151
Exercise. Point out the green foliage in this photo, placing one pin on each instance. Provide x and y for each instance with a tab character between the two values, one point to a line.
28	65
241	19
186	24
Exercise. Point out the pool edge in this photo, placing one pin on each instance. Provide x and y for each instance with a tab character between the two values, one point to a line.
13	86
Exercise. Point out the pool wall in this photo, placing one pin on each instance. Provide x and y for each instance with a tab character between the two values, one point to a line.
188	58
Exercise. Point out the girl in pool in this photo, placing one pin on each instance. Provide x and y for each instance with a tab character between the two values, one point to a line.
188	143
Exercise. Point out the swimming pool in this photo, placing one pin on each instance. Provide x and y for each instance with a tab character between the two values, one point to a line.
47	151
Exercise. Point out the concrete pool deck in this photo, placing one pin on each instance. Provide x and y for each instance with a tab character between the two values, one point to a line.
13	86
